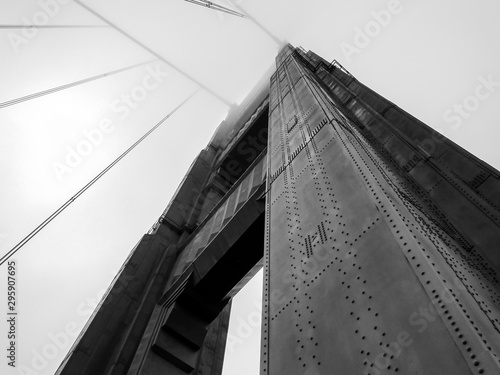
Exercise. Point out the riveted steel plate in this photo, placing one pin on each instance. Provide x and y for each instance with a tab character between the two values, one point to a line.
359	279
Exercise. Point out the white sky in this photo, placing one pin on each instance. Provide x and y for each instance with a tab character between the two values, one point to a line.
427	57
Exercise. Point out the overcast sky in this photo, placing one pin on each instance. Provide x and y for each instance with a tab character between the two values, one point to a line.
440	61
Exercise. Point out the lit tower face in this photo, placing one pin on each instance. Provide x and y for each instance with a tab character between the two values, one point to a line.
369	266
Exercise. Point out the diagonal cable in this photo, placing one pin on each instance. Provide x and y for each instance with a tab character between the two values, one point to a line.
156	54
258	24
56	213
225	9
211	5
69	85
51	26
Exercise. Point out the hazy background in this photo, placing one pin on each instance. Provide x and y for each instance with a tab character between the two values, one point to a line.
428	56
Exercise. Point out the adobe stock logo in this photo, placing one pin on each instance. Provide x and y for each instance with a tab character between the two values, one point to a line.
245	328
59	342
122	107
471	103
372	29
49	9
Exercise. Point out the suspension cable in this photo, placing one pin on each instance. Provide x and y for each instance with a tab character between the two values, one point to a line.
69	85
26	239
258	24
156	54
211	5
51	26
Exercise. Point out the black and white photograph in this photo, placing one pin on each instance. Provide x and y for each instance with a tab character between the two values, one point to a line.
249	187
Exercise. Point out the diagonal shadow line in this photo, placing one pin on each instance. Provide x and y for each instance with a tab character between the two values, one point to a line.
157	55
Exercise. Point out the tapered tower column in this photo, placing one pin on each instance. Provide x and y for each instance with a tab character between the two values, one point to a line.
365	271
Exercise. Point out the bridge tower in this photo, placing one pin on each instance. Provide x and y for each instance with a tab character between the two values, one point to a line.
378	237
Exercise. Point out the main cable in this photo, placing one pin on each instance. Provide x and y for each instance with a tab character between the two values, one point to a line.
211	5
259	25
26	239
146	48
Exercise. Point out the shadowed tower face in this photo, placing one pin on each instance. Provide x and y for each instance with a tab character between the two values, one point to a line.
377	235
